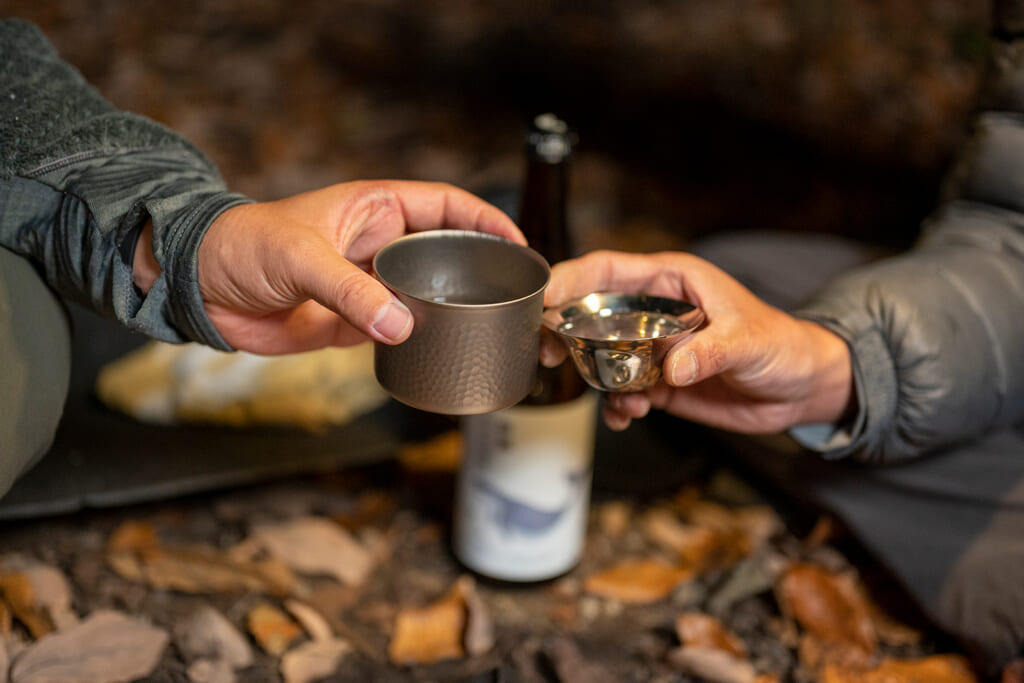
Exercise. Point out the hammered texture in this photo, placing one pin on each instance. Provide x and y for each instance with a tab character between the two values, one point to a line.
463	367
476	302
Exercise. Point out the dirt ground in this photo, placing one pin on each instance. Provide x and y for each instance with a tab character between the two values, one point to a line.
570	629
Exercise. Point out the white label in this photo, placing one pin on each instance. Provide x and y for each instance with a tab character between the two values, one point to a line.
524	489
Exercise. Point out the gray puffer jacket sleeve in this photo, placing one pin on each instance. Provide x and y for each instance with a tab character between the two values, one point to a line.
79	179
937	334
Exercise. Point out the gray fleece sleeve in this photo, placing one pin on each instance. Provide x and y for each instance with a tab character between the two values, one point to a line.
79	179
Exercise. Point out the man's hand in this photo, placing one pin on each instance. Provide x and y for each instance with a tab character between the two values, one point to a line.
294	274
751	368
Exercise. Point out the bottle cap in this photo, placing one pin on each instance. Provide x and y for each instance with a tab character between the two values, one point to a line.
550	139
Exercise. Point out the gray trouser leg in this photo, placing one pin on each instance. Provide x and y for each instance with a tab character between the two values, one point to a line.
949	527
35	366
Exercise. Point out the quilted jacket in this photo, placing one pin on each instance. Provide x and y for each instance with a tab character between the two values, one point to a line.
937	333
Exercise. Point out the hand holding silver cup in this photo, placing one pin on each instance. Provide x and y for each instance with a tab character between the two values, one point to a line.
618	341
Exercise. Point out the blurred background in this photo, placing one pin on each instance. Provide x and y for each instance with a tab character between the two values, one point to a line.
695	116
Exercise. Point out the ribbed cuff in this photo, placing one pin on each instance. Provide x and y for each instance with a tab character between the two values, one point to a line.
181	267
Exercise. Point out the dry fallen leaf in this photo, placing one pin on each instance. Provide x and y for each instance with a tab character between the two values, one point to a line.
814	654
195	569
211	671
478	637
133	535
442	453
714	536
317	545
664	528
828	605
313	623
16	590
313	660
6	620
709	664
613	518
50	589
272	628
107	647
637	581
372	508
330	601
135	553
758	524
696	629
934	669
207	634
424	635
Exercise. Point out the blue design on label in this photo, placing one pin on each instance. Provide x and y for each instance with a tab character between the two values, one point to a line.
514	516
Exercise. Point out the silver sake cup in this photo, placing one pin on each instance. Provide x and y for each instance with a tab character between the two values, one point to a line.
618	342
476	301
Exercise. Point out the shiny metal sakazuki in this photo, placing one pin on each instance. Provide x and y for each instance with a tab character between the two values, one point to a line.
619	341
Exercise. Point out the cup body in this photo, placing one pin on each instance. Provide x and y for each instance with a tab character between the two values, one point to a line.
618	341
476	301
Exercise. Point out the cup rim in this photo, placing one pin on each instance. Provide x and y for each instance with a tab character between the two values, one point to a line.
448	233
688	315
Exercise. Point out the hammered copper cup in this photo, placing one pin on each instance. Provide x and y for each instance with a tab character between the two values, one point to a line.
476	301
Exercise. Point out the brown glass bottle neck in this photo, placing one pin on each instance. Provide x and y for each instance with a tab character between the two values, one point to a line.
542	211
543	220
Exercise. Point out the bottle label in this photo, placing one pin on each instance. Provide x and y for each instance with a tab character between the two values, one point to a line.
524	489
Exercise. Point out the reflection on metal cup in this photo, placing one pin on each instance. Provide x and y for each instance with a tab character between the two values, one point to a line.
476	301
617	368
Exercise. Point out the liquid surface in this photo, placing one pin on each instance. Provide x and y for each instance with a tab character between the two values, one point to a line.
629	326
469	299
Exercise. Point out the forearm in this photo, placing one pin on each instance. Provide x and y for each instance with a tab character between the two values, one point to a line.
79	180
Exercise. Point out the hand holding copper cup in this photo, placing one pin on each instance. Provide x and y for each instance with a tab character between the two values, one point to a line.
476	301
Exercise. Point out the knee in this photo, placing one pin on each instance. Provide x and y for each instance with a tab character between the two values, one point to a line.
35	366
982	602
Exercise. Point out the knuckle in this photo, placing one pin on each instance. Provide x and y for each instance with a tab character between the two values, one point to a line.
356	290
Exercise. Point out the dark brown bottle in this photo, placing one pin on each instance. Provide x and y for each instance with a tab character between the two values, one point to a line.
543	218
523	488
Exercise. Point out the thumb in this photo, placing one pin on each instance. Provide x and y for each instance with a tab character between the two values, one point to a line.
366	304
694	360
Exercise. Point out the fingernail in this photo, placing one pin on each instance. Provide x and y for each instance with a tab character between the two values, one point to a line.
683	369
392	321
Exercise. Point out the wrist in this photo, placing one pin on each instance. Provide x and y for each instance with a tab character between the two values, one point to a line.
831	398
145	268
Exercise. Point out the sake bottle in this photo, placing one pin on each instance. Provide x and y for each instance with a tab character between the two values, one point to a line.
523	488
